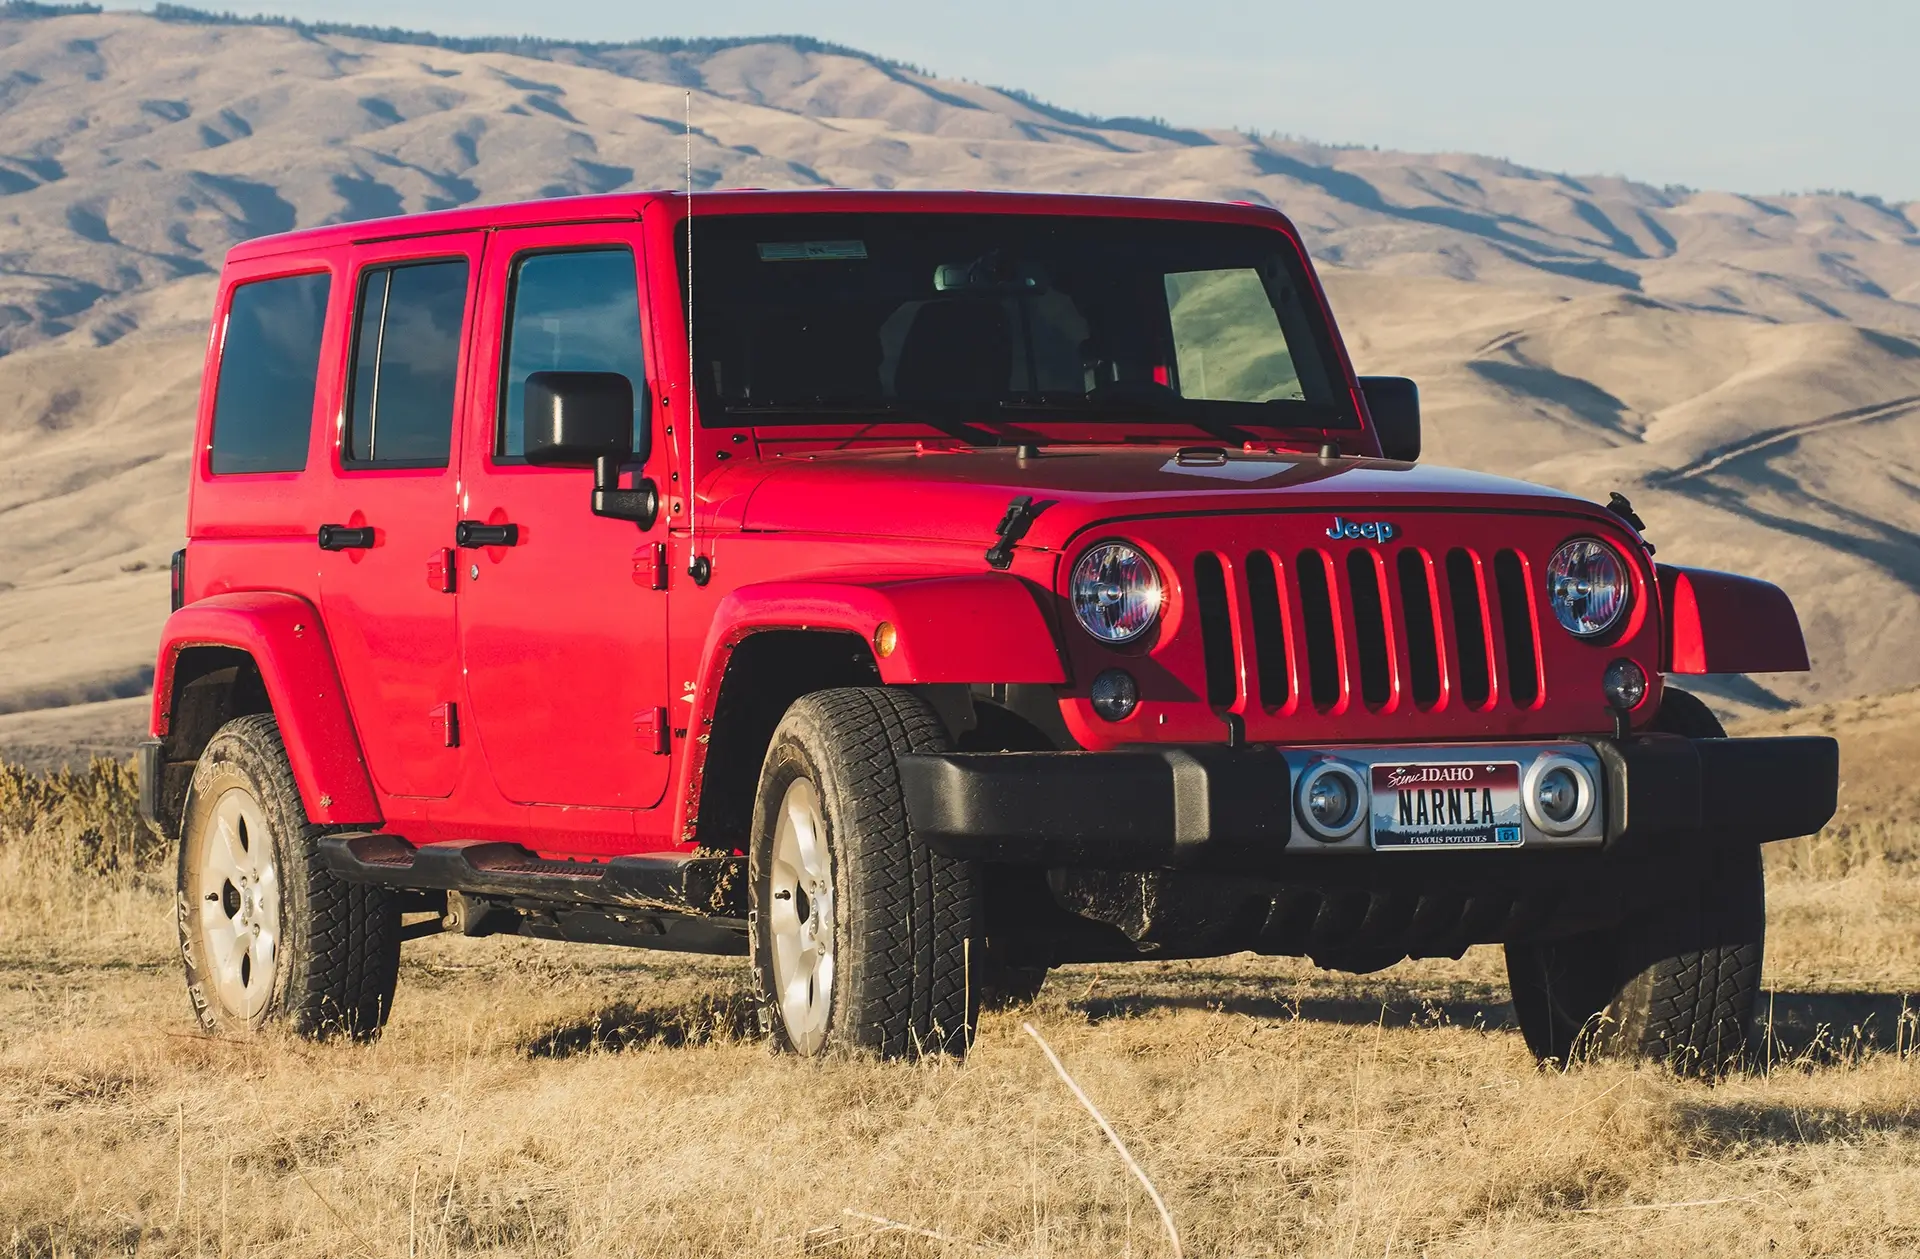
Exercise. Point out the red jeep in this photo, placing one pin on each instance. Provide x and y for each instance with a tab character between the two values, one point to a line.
917	591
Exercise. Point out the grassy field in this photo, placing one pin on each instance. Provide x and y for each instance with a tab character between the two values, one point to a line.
538	1099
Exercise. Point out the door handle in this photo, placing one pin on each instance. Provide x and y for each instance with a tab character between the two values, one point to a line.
472	534
341	538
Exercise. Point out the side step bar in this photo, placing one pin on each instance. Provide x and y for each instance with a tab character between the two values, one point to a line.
667	883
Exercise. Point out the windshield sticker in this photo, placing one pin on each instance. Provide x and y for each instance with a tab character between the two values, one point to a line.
812	250
1232	470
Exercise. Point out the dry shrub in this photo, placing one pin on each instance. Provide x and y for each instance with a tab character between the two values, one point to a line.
84	820
1847	847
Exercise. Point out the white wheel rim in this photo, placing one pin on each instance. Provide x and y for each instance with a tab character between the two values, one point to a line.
800	917
239	902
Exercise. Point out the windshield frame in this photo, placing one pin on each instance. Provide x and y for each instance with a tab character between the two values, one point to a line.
1023	415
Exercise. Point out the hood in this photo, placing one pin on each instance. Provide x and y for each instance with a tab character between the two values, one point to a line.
960	495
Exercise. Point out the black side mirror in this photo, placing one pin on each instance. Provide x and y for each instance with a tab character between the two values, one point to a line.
585	420
1394	404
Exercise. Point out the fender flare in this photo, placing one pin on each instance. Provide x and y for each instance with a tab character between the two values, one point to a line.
980	627
287	642
1723	623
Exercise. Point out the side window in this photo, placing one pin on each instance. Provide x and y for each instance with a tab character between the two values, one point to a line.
1227	339
269	361
406	364
576	312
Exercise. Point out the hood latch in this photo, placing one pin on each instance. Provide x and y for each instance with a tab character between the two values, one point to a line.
1013	527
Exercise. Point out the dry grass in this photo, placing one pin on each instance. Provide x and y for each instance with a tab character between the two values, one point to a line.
536	1099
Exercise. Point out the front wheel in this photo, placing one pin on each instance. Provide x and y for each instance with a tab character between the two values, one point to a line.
1676	983
862	935
267	933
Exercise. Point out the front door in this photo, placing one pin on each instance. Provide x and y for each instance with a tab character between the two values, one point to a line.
562	633
388	606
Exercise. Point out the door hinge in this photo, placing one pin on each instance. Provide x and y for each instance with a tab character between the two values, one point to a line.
445	720
650	566
440	571
650	727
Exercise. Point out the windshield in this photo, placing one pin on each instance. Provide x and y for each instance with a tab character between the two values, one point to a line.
978	317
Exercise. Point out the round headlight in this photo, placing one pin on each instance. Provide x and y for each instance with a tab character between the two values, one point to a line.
1588	587
1116	592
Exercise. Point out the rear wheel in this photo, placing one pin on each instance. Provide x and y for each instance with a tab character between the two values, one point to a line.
267	934
862	935
1676	983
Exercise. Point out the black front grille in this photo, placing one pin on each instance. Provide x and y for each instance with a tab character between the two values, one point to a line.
1216	629
1323	644
1423	638
1269	631
1516	620
1469	627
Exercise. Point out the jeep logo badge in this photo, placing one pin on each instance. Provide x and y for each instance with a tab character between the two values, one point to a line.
1371	530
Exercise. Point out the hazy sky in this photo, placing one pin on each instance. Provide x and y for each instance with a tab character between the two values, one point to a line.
1753	95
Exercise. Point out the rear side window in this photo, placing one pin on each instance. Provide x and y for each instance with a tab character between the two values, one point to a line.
269	361
575	312
406	364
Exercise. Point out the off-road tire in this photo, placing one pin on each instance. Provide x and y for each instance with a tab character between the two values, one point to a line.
1676	983
339	943
904	917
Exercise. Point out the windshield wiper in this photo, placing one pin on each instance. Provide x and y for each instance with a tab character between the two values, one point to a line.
872	411
1134	406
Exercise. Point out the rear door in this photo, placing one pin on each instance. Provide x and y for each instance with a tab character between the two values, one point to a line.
383	547
562	633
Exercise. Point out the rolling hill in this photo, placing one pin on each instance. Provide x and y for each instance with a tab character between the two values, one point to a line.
1746	368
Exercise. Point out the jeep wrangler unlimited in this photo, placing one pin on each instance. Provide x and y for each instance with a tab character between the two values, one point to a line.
914	592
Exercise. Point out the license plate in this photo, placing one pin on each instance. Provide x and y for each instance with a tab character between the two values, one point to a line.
1453	805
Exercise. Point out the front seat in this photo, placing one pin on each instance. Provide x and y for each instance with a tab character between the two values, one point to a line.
956	348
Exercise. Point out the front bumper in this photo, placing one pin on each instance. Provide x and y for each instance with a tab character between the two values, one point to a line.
1173	807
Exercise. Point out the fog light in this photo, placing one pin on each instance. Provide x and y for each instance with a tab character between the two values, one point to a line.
1330	801
1115	695
1624	685
1559	795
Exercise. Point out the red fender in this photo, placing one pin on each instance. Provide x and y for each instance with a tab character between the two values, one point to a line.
980	627
1721	623
283	634
985	627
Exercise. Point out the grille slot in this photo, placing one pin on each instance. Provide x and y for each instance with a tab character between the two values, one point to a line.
1423	640
1469	628
1323	645
1370	627
1216	629
1269	631
1516	624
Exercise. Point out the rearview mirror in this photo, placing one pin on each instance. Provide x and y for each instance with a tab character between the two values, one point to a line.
585	420
1394	404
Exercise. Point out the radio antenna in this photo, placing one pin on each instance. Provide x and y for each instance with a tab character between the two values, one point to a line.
698	566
